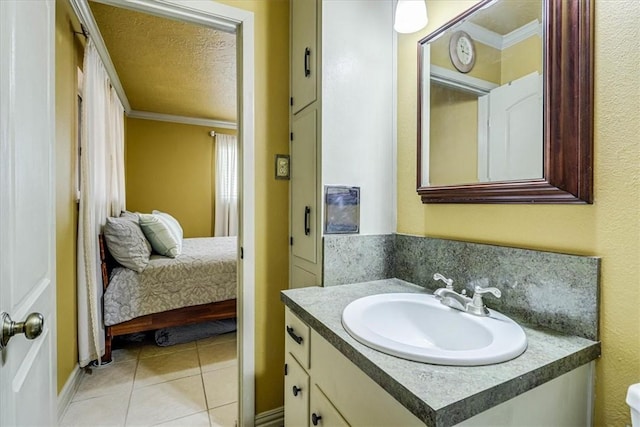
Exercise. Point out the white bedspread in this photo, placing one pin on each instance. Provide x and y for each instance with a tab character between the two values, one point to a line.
205	272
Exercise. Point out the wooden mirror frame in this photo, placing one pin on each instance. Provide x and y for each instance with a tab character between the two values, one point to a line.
568	116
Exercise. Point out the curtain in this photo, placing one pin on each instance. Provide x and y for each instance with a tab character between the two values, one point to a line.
226	195
101	194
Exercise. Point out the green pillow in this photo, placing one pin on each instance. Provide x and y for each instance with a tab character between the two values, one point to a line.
172	223
164	236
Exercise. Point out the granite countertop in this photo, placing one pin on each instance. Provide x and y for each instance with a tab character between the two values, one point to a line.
438	395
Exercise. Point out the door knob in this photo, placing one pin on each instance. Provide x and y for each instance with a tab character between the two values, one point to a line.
31	327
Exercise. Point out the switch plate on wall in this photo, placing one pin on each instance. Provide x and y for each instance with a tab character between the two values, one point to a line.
282	166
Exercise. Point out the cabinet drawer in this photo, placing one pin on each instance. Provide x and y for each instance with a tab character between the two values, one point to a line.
297	338
296	394
323	413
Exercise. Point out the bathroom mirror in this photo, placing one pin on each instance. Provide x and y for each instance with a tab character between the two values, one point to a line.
505	105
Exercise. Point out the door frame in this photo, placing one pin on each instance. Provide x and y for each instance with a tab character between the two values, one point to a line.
241	23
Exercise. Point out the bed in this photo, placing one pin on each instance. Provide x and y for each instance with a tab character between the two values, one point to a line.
198	285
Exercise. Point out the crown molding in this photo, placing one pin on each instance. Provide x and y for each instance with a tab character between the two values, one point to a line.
533	28
482	35
495	40
148	115
83	12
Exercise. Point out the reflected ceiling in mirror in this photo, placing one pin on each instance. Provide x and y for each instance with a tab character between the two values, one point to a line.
494	124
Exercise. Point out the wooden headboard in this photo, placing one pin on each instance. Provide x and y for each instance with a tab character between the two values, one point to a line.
107	262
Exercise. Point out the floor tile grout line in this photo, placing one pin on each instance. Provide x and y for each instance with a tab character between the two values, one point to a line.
133	382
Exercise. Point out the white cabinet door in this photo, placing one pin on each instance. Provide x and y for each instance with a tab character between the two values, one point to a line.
515	130
27	209
303	186
296	393
323	413
304	53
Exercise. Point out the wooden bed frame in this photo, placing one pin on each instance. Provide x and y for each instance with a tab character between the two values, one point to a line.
178	317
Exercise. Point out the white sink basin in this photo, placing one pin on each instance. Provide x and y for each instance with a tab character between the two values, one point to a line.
419	328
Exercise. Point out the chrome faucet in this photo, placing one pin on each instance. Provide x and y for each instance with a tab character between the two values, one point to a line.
460	301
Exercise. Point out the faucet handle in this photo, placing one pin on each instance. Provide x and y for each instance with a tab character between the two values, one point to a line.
479	290
477	304
448	282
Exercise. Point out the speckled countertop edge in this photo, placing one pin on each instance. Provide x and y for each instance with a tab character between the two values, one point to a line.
438	395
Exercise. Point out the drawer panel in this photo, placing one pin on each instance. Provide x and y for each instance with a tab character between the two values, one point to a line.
297	338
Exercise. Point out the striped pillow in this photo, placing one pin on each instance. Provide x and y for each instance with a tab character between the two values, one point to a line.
165	235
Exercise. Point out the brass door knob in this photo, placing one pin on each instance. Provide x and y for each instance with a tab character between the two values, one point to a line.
31	327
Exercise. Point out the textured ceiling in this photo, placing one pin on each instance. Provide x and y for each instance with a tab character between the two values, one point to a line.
170	67
507	15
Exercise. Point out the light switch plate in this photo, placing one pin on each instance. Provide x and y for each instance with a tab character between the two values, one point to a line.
282	166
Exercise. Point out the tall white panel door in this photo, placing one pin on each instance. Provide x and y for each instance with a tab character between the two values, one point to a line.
27	209
515	130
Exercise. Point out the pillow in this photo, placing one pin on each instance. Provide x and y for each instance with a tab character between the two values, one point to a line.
165	239
174	225
129	215
126	243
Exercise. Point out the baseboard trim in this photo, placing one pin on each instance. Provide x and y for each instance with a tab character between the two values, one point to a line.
67	392
272	418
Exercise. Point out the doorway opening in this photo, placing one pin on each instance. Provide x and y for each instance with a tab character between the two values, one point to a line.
241	23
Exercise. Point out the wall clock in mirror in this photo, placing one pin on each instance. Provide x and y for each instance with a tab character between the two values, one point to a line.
462	51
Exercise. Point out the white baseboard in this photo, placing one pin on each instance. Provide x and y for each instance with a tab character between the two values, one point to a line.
67	392
272	418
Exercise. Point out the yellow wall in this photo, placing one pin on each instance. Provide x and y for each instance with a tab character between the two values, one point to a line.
521	59
609	228
453	136
169	167
272	196
68	54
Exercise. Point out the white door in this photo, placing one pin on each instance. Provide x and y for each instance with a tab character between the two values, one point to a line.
27	214
515	130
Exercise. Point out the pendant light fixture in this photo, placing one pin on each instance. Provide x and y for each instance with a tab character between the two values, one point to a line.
411	16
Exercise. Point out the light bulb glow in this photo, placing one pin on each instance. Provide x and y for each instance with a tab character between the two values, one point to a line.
411	16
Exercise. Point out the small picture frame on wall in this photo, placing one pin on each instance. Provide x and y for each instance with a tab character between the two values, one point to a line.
342	210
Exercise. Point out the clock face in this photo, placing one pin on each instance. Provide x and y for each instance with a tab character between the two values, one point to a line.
462	51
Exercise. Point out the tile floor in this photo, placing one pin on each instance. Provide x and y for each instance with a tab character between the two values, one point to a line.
192	384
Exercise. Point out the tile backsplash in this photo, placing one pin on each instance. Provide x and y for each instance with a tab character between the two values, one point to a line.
553	290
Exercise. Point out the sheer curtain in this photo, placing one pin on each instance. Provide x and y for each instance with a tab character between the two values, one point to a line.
102	194
226	175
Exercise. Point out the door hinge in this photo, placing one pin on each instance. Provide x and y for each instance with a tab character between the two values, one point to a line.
291	136
291	101
241	252
286	369
290	241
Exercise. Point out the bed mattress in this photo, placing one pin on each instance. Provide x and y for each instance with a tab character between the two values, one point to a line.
205	272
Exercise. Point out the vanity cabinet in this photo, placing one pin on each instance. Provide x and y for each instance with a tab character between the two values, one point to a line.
341	120
333	391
